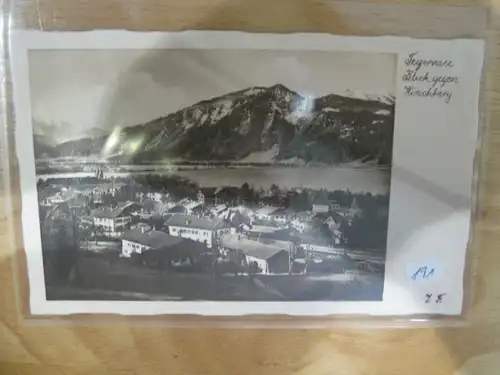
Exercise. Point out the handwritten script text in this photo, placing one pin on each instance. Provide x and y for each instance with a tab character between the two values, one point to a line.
428	78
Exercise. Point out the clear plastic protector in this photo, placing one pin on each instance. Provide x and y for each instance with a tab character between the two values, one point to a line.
316	171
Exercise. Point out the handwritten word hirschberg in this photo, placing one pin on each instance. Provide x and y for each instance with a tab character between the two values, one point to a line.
430	92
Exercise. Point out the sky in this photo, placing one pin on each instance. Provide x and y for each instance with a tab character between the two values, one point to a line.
84	89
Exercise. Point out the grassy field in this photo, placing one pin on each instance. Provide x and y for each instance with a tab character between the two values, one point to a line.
341	287
99	279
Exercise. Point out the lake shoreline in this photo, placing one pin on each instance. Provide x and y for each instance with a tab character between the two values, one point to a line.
64	163
367	180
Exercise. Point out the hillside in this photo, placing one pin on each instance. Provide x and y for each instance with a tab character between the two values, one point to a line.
273	124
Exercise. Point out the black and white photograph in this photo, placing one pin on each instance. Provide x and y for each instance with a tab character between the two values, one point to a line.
212	175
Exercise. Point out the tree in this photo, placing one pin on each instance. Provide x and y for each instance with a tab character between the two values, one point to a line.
64	247
149	205
246	193
108	199
368	232
275	190
98	232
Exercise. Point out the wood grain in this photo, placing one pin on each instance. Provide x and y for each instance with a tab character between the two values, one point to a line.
116	348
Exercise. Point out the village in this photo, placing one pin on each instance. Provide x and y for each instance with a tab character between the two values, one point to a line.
173	226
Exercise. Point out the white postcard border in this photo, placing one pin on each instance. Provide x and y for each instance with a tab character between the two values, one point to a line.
425	229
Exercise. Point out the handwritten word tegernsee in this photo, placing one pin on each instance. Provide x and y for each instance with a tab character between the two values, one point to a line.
428	78
412	60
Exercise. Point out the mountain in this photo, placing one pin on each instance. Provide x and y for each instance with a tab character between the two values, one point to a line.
42	147
274	123
54	133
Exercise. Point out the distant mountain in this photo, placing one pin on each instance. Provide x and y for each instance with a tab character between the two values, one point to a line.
54	133
269	124
92	133
42	147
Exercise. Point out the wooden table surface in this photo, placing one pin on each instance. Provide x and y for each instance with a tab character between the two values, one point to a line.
30	348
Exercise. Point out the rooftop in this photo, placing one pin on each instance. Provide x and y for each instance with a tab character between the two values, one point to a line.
264	229
154	239
345	209
193	221
108	213
219	207
63	195
266	210
192	205
282	211
78	200
322	200
304	215
231	190
110	185
250	247
208	190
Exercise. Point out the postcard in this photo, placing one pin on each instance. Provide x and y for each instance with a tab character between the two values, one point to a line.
230	173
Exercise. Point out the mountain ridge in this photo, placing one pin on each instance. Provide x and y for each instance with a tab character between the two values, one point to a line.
330	129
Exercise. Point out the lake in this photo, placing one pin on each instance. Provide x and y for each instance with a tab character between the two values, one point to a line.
374	180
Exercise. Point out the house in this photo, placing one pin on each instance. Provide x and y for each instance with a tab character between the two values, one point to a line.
144	227
156	196
138	240
109	188
321	243
345	212
62	196
265	233
270	200
97	192
228	194
193	207
206	195
149	205
321	205
280	216
218	210
265	213
333	222
114	221
176	209
78	201
273	214
160	248
183	202
79	204
259	257
302	221
86	189
349	212
234	217
86	220
196	228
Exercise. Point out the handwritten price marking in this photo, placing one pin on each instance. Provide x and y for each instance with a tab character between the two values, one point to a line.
423	273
